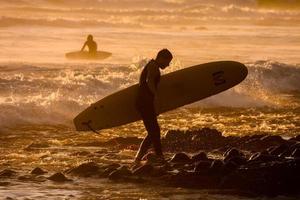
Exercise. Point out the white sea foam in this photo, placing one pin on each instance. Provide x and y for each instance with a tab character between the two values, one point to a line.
32	94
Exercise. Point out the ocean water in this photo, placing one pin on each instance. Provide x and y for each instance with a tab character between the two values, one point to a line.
41	91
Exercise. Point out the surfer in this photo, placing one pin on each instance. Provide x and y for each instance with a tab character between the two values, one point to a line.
148	83
92	45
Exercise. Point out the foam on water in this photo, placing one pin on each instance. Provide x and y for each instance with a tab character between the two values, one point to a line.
36	95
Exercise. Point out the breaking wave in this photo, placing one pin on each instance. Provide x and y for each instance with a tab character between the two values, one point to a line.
39	94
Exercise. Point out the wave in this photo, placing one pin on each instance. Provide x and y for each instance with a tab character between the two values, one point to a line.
181	14
33	94
62	22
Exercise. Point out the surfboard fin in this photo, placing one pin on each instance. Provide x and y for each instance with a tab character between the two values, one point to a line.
89	126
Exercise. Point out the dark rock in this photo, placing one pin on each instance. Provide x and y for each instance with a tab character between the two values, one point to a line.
262	157
181	158
273	140
296	153
234	154
110	168
144	170
201	156
58	177
85	169
278	150
217	166
7	173
238	160
202	166
38	171
150	157
119	173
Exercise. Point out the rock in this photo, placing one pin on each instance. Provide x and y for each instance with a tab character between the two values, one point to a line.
110	168
181	158
201	156
238	160
202	166
150	157
217	166
58	177
85	169
144	170
278	150
38	171
296	153
232	152
119	173
7	173
262	157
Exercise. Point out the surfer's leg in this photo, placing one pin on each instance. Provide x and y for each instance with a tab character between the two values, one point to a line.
154	132
153	129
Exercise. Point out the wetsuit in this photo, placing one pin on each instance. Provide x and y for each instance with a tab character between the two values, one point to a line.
92	45
145	106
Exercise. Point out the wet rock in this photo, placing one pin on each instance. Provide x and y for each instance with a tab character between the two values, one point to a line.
59	177
278	150
237	160
272	140
231	166
160	171
7	173
38	171
144	170
181	158
232	152
262	157
271	179
85	169
202	166
216	167
296	153
150	157
174	135
201	156
121	172
110	168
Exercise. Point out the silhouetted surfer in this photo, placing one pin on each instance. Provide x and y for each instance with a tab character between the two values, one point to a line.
148	84
92	45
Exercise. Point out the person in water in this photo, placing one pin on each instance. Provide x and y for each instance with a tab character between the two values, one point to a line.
147	92
92	45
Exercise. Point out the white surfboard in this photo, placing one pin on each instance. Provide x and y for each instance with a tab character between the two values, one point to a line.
175	89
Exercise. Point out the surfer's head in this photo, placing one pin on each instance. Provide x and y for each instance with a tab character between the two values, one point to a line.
164	58
90	38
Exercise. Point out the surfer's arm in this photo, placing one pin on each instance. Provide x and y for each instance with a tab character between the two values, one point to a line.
151	77
83	47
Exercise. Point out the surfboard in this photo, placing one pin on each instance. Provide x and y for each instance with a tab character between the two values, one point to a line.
175	89
85	55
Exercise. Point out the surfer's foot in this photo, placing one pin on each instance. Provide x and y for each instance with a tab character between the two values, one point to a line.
159	161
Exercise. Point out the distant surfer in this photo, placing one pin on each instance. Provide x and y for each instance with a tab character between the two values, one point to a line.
148	84
92	45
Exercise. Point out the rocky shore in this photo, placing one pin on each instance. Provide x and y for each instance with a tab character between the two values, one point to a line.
204	159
